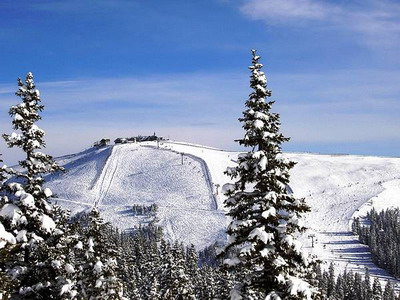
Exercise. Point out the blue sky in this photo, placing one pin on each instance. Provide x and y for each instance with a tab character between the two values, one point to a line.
109	68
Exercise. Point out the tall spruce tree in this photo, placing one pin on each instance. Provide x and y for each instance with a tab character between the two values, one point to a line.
175	282
367	290
265	215
39	227
30	139
376	290
331	281
99	278
388	293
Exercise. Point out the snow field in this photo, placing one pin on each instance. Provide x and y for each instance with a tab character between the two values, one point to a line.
130	174
74	187
336	187
388	198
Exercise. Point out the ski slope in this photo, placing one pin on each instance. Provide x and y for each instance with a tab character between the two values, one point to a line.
337	188
191	206
115	178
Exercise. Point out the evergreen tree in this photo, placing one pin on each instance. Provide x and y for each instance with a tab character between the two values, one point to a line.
331	281
323	283
40	228
175	281
350	286
6	282
30	139
192	267
99	270
206	287
339	288
388	293
7	239
376	290
358	286
155	290
265	215
149	267
127	263
367	290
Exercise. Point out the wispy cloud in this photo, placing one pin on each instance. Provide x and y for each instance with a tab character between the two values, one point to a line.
339	107
81	111
377	22
286	10
331	107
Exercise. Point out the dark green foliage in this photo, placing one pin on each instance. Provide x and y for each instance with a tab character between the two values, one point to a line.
351	286
144	210
98	271
151	268
388	293
382	235
376	290
366	288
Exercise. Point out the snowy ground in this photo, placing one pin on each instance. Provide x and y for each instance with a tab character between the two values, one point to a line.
191	207
337	187
115	178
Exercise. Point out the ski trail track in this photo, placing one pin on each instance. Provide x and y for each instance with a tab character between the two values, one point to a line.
105	180
208	179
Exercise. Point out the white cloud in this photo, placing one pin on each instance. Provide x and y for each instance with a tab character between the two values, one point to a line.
336	107
79	112
281	10
376	22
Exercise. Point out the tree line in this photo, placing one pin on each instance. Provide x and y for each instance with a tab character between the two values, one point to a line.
352	286
382	235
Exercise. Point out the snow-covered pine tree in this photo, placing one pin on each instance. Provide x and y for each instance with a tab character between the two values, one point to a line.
31	138
331	281
174	282
367	290
98	271
192	267
7	240
376	290
3	175
25	209
265	215
339	288
350	285
357	287
127	261
388	293
149	266
155	290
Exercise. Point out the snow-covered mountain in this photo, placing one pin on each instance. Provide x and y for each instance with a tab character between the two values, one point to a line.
185	180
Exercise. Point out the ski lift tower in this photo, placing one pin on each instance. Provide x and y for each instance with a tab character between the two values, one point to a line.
312	237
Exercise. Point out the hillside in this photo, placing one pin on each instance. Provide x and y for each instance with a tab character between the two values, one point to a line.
116	177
